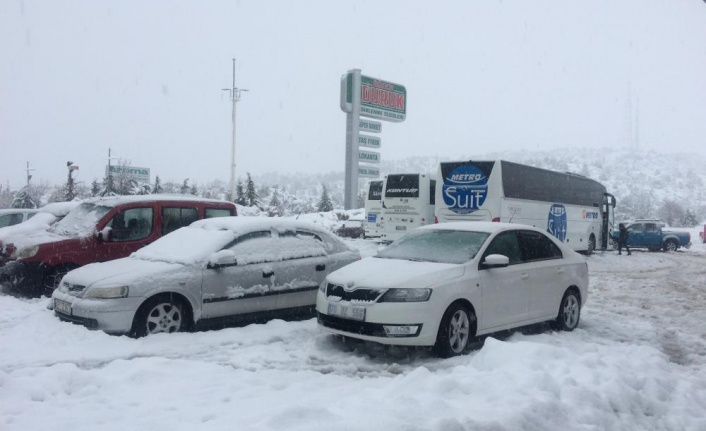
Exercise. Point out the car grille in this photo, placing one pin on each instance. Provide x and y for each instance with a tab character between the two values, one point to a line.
355	295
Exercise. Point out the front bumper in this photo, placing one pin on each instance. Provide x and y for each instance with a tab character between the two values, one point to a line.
379	315
113	316
17	274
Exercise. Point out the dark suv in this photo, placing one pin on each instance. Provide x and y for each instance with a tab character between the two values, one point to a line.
99	230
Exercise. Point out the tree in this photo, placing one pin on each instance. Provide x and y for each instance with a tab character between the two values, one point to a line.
194	190
157	185
689	219
24	199
251	197
325	204
184	187
276	208
95	188
671	212
239	193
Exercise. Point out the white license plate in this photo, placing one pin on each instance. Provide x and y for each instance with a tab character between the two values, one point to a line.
346	311
401	227
62	306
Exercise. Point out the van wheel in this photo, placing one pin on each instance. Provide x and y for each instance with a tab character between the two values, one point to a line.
569	311
455	331
163	313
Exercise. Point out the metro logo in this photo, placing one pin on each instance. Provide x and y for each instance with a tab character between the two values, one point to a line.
465	189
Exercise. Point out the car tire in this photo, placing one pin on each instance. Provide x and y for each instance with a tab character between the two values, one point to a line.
163	313
457	328
53	276
569	311
670	245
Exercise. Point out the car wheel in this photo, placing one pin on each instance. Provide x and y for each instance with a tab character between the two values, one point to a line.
670	245
160	314
569	311
455	331
53	277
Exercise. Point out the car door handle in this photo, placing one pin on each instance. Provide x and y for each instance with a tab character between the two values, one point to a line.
524	276
267	274
321	267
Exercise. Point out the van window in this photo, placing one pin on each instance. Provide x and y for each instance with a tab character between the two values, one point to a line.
131	225
174	218
218	212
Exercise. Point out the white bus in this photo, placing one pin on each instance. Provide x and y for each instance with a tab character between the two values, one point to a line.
373	209
575	209
407	202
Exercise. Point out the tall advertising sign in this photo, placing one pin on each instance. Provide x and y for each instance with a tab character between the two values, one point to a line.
373	98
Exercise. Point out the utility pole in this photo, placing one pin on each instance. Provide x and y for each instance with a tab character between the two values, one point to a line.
70	184
29	177
234	97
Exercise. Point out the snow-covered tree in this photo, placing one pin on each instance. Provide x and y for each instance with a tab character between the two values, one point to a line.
157	185
239	193
95	188
185	187
325	204
252	199
276	208
24	199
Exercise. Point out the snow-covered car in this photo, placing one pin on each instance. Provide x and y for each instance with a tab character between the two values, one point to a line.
351	229
442	285
214	269
13	216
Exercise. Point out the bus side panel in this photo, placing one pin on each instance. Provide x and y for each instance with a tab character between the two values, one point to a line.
468	191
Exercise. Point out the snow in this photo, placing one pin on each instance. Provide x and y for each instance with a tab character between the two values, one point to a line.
31	232
636	362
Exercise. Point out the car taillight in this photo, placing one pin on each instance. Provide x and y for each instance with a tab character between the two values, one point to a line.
436	219
496	220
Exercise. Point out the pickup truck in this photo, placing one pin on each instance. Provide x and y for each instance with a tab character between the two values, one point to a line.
651	235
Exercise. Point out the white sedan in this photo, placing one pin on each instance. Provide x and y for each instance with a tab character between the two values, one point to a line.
213	270
442	285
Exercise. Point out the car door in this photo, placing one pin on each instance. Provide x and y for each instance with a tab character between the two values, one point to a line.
548	274
130	230
301	271
636	235
652	236
505	292
245	286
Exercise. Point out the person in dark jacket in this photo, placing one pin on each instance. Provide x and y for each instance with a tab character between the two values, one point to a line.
623	239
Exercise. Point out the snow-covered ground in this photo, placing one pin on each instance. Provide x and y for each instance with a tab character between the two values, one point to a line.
636	362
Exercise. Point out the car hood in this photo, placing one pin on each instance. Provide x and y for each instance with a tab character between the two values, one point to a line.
388	273
122	271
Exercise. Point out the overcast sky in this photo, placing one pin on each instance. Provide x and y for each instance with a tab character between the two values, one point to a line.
144	78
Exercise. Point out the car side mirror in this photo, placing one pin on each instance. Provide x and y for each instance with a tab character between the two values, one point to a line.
105	234
495	261
222	259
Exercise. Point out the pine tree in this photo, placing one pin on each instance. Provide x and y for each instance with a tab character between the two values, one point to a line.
325	204
276	208
194	190
95	188
251	197
239	193
157	185
184	187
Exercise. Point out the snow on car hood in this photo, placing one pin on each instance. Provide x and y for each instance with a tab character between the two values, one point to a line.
33	232
388	273
120	271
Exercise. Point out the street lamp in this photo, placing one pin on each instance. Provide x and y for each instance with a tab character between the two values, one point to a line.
235	97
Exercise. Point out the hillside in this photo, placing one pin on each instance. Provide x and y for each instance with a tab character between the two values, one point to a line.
642	181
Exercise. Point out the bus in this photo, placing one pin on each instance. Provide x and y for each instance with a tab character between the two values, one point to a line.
407	202
575	209
373	209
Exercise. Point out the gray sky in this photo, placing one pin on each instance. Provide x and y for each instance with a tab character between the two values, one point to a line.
144	78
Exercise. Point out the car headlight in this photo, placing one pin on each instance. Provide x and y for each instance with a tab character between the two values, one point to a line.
23	253
106	292
322	286
406	295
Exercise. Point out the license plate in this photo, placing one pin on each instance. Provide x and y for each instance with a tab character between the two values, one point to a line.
62	306
401	227
346	311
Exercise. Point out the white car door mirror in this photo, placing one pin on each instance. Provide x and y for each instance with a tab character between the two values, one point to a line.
496	261
104	234
222	259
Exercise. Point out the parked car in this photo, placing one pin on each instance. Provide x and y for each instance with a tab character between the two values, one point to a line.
442	285
13	216
98	230
225	268
652	235
351	229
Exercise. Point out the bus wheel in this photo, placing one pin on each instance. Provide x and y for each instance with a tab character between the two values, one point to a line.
591	245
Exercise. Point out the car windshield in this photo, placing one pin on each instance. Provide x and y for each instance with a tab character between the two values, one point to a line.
437	245
81	221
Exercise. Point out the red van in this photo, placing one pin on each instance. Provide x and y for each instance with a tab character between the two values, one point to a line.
98	230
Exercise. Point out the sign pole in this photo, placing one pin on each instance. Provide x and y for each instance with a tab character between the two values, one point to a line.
352	133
